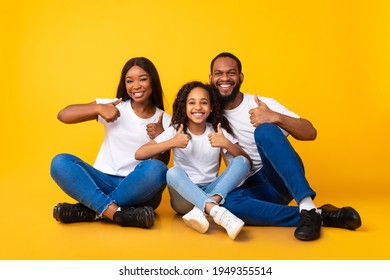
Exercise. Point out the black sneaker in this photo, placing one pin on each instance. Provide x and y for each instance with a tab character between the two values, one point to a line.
73	213
345	217
309	227
135	217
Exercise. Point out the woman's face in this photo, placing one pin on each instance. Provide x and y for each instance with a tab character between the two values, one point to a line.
138	84
198	105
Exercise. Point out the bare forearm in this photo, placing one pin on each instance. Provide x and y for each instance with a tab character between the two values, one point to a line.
164	157
299	128
152	149
78	113
236	150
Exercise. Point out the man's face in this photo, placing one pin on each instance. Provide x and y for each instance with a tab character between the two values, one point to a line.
225	79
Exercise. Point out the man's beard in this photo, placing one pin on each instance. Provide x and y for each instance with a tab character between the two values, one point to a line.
226	99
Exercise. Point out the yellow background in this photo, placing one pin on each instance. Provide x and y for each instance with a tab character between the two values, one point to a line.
328	61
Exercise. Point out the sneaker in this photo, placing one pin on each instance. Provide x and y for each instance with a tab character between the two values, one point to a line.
196	219
309	227
73	213
345	217
230	222
135	217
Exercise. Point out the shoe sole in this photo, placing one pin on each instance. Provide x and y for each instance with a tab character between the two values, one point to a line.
305	238
149	222
236	230
194	224
56	212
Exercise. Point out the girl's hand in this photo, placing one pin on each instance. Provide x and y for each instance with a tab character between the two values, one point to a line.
109	112
181	140
218	139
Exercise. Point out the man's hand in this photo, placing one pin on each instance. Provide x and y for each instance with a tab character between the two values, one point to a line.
261	114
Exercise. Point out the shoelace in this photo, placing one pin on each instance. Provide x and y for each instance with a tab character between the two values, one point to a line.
71	213
75	212
140	216
307	217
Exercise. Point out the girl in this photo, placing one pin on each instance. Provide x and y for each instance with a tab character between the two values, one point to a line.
198	136
117	186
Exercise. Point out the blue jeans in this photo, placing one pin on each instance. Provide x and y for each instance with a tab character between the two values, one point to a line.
97	190
198	195
264	197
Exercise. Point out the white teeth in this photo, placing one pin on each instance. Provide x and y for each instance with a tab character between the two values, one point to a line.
197	114
137	94
224	86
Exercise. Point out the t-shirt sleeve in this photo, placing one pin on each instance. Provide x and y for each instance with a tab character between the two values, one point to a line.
169	133
277	107
105	100
229	137
166	120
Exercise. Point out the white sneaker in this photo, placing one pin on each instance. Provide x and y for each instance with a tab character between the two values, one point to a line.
230	222
196	220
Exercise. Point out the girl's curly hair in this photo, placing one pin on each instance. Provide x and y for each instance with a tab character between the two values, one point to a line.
179	115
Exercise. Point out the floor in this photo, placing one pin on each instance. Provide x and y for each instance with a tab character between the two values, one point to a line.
29	232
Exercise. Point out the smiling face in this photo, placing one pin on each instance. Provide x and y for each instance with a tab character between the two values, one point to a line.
138	84
198	106
226	79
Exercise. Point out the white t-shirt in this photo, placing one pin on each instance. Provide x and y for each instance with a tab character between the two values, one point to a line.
199	160
244	130
123	137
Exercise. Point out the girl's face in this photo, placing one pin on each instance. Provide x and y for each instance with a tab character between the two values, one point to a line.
138	84
198	105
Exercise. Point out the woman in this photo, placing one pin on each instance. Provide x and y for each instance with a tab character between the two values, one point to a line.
199	136
117	186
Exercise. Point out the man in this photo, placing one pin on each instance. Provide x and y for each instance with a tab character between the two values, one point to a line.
261	126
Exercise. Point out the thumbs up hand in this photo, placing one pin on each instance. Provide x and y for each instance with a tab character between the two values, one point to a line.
261	114
109	112
154	129
218	139
181	139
